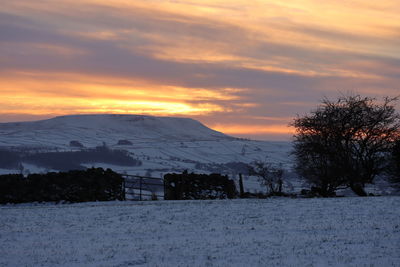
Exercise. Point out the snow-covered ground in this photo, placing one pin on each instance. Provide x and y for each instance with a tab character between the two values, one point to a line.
271	232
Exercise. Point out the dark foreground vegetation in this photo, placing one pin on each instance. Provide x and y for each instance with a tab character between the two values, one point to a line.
93	184
198	186
348	143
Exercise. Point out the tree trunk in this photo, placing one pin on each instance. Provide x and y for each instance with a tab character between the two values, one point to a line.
358	189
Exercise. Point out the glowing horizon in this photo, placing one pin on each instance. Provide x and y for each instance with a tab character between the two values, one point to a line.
244	69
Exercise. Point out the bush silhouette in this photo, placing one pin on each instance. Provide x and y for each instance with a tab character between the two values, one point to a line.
198	186
94	184
345	143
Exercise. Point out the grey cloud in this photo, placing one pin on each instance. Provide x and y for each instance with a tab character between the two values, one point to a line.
271	90
105	57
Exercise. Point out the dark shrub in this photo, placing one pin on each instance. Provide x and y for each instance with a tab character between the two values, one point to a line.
13	188
198	186
94	184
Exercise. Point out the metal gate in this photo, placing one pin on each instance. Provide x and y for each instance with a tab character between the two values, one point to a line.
143	188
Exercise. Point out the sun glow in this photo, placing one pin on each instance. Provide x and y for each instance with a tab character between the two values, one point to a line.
241	129
86	94
212	58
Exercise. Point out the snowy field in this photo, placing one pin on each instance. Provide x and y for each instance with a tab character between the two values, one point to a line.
271	232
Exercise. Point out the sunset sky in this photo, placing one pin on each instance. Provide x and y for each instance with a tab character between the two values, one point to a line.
245	68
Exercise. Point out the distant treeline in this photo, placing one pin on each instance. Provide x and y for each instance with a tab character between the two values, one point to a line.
67	160
94	184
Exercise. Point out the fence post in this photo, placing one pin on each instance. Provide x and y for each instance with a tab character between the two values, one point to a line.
241	185
123	188
165	186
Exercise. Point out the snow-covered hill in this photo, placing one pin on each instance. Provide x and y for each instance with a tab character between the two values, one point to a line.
162	144
92	130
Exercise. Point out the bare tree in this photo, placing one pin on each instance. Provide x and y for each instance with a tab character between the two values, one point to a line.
345	143
269	176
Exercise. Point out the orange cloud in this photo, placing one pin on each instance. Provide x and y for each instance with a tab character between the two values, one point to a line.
234	59
241	129
62	93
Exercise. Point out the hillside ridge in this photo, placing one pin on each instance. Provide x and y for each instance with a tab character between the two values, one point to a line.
157	145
